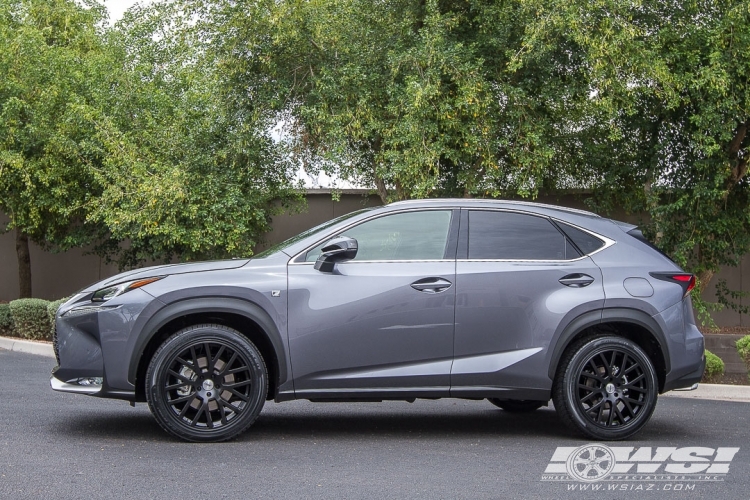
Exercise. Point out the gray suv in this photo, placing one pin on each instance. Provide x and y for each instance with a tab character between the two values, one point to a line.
515	302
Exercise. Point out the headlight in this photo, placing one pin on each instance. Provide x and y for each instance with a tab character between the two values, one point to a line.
113	291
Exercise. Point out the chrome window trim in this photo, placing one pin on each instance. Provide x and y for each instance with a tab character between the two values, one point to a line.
376	262
294	260
608	242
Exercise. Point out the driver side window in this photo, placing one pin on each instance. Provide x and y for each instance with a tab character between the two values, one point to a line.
403	236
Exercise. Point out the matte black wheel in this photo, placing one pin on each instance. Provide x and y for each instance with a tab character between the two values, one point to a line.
206	383
516	405
606	388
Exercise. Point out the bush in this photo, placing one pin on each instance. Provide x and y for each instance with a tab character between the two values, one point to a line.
743	348
30	318
52	308
714	368
6	320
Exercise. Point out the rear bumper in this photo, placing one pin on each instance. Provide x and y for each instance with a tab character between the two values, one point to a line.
687	380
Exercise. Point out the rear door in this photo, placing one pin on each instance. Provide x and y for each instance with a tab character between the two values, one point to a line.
518	278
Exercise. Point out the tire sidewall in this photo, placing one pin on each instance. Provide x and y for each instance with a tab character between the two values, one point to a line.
183	339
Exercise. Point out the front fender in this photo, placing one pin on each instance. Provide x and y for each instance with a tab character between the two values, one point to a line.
249	304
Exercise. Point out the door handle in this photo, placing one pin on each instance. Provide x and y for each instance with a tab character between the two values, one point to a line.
577	280
431	285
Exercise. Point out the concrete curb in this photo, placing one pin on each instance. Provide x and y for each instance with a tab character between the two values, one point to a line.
27	346
717	392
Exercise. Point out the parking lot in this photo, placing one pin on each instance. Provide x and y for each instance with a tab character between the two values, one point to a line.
68	446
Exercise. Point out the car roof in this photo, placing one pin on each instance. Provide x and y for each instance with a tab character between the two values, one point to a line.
482	202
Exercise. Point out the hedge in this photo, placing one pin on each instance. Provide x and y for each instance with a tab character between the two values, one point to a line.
6	320
52	308
30	318
743	348
714	367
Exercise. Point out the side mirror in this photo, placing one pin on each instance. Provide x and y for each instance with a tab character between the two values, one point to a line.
338	249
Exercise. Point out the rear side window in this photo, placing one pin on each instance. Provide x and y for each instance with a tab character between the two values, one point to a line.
514	236
586	242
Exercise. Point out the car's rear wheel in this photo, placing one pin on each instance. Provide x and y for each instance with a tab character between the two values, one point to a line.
606	388
206	383
516	405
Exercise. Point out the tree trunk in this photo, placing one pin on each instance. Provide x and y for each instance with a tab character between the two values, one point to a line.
24	264
704	278
382	191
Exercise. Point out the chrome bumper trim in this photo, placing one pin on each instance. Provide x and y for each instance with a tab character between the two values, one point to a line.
691	388
59	385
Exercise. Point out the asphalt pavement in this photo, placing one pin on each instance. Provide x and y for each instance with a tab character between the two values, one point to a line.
55	445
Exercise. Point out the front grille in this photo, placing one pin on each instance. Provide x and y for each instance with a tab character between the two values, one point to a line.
55	346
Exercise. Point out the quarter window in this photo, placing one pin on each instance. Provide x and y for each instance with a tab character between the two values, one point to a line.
514	236
402	236
586	242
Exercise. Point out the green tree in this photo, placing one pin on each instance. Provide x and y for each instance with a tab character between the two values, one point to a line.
47	51
670	99
185	174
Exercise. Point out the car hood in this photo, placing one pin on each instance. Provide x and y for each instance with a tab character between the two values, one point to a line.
166	270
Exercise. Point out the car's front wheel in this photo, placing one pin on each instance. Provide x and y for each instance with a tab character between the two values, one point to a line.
606	388
206	383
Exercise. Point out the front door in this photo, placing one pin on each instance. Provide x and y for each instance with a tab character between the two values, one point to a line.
382	323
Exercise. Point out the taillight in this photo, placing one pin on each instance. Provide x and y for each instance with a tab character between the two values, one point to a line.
685	280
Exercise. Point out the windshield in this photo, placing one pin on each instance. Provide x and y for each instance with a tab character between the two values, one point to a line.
294	239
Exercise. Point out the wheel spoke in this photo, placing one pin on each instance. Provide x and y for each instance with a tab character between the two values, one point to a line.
229	405
592	375
238	384
181	377
607	367
611	415
619	415
209	420
183	399
229	364
236	393
187	406
223	414
635	388
209	360
216	358
198	413
636	379
601	410
195	361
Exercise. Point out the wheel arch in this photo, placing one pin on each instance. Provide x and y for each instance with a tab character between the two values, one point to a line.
632	324
251	320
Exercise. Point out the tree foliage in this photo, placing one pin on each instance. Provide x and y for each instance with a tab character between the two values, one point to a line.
646	104
48	50
184	174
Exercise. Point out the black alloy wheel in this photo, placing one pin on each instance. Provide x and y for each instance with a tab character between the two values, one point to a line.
206	383
517	405
606	388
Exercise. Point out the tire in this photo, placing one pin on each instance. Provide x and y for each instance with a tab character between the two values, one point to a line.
605	388
517	405
216	404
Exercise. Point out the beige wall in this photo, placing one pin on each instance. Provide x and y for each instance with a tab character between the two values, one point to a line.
56	275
